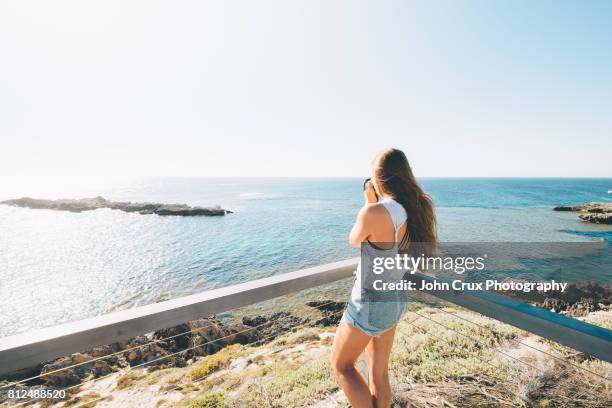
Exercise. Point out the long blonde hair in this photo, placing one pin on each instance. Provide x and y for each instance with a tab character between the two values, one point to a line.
393	177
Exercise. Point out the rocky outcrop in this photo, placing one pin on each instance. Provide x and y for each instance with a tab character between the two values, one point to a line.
170	347
56	374
330	310
598	213
271	326
578	299
89	204
208	336
604	218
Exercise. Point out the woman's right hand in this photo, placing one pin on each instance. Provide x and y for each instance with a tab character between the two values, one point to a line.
369	193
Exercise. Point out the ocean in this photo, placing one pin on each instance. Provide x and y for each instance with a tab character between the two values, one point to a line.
58	266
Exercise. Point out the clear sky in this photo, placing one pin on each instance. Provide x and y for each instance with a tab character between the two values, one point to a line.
305	88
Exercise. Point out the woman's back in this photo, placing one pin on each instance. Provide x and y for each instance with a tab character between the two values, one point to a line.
369	311
382	228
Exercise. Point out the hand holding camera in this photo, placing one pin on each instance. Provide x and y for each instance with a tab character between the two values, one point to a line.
369	192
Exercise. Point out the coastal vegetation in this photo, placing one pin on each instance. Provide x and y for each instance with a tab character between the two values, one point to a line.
443	357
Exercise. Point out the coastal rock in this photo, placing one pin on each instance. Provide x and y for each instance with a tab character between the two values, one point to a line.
89	204
177	337
66	376
106	350
331	312
21	374
111	354
77	205
152	354
554	304
242	334
604	218
582	307
170	347
208	336
142	208
575	292
185	210
598	213
101	368
578	299
273	325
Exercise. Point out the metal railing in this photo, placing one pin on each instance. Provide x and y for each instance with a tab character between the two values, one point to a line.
29	349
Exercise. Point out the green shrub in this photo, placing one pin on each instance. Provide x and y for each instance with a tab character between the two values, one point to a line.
213	399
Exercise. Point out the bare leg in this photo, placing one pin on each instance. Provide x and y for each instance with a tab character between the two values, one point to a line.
349	342
377	357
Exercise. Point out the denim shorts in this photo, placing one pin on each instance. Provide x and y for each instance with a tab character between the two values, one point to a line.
374	318
368	311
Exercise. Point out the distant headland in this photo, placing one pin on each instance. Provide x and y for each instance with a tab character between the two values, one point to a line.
94	203
598	213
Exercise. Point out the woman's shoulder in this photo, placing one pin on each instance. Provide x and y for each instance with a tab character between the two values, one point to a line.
394	207
373	210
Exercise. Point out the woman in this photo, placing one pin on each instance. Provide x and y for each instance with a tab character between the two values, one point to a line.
404	214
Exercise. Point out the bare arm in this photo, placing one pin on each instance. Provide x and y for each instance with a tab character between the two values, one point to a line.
361	230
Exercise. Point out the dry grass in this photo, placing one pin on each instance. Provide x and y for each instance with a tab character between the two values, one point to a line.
431	366
88	400
446	368
216	361
130	379
283	385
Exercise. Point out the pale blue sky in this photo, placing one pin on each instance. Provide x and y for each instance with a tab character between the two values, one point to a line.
312	88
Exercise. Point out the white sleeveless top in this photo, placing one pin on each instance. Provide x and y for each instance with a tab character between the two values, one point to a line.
399	217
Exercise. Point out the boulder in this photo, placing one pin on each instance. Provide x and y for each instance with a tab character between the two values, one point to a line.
330	310
242	334
179	337
101	368
565	208
208	336
153	354
113	360
273	325
554	304
56	374
582	307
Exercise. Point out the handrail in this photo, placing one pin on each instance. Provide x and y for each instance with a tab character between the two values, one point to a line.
31	348
577	334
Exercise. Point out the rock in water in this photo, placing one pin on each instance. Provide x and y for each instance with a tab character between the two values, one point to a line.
89	204
185	210
598	213
605	218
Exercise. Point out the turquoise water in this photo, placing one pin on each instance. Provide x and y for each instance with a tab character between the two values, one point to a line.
57	266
